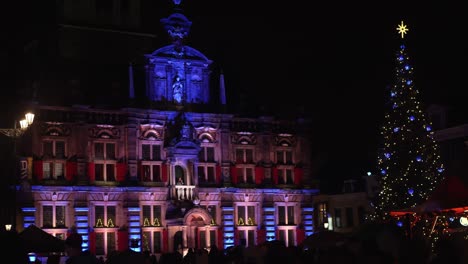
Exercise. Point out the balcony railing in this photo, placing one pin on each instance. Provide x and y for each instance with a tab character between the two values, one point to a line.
183	192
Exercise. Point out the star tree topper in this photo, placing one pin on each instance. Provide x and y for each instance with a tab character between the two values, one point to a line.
402	29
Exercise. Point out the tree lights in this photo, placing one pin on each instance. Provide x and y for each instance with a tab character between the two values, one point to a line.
408	160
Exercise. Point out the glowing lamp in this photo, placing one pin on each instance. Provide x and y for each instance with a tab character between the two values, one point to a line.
32	257
464	221
29	118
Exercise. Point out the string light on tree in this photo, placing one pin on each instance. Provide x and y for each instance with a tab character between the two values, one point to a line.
408	159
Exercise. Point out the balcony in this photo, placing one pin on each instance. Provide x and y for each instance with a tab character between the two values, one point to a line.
183	192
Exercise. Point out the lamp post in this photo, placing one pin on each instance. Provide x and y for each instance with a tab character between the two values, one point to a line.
18	132
15	133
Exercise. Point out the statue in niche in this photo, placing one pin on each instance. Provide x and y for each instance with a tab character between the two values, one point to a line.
177	90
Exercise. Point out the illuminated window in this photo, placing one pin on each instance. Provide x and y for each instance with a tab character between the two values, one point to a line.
151	215
105	226
246	215
211	209
105	161
152	240
105	216
322	214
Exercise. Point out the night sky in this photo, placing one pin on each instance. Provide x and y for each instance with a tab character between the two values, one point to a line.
336	61
331	61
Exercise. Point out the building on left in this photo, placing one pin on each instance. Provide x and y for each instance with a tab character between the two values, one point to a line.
169	168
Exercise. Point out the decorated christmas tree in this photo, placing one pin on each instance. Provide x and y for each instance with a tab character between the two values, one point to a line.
408	160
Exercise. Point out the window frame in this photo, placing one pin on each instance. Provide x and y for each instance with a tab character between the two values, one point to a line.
54	204
53	160
295	215
246	206
105	161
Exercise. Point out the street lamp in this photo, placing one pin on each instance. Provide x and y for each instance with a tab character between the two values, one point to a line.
17	132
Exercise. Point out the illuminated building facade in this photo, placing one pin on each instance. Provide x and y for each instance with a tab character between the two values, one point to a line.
173	178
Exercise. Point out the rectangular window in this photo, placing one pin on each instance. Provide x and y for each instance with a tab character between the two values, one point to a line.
105	216
151	215
322	214
207	154
244	155
245	174
48	149
145	152
47	217
212	237
104	151
202	239
110	172
105	161
53	216
53	169
285	175
151	241
361	214
157	242
349	217
53	166
287	236
284	156
246	237
246	215
206	173
156	152
338	220
151	152
53	149
59	149
104	172
211	209
98	150
151	172
105	242
286	215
